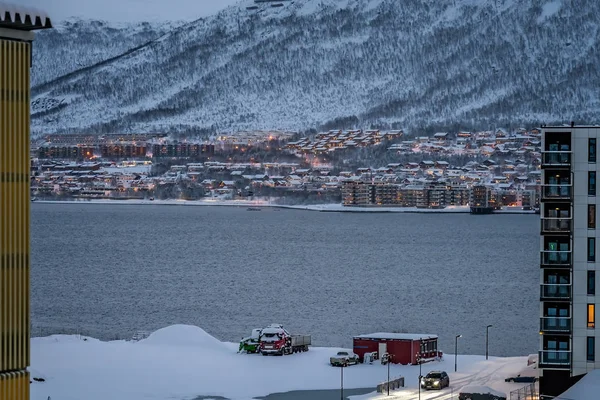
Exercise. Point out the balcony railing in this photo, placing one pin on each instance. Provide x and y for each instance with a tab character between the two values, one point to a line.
560	358
556	258
556	159
557	191
556	225
555	324
555	291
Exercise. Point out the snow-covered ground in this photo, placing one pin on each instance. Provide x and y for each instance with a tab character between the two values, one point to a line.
182	362
266	203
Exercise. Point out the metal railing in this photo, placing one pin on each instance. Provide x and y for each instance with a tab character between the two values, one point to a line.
555	291
556	224
558	258
555	357
555	324
528	392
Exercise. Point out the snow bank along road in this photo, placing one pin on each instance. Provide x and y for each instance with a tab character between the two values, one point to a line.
184	362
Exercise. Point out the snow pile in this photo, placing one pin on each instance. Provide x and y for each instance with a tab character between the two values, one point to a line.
183	335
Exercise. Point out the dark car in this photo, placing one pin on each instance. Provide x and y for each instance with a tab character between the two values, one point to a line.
435	380
521	379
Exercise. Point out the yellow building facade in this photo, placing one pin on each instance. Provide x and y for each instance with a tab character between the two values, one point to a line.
16	26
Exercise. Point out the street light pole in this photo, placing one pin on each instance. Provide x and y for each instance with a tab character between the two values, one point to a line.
420	373
487	331
456	351
388	381
342	382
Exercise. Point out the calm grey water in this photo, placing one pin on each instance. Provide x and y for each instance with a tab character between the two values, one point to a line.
110	270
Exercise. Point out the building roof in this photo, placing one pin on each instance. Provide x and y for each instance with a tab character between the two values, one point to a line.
396	336
586	389
23	18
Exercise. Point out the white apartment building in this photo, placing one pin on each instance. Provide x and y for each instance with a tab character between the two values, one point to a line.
569	238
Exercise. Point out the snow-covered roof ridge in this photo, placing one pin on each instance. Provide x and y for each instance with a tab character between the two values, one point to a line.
397	336
27	18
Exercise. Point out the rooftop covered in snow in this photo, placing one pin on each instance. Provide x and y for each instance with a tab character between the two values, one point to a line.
586	389
396	336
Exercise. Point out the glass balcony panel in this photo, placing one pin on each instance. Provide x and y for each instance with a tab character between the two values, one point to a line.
556	291
556	257
555	357
556	225
556	324
557	191
556	158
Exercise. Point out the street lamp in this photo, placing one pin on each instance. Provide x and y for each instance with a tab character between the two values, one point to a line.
487	331
456	350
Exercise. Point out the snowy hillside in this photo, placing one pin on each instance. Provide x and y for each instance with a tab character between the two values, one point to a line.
307	63
76	43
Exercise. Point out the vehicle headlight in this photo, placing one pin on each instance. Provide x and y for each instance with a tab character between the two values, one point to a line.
436	382
423	381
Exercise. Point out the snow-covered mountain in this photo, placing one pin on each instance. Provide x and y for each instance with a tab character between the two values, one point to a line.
75	44
312	63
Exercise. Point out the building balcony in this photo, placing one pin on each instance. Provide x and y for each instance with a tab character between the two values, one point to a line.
557	225
556	258
558	192
556	159
556	359
555	324
555	292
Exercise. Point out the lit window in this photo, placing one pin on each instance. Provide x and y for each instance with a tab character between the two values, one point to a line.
591	315
592	150
591	250
591	216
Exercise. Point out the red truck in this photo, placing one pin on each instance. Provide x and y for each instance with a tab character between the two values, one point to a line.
274	339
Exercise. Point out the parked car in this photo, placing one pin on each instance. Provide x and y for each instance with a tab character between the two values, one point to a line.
344	358
521	379
528	374
435	380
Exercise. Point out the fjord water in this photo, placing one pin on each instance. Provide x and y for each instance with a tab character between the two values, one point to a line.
111	270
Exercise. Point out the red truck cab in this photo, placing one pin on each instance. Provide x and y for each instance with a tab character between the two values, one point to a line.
274	340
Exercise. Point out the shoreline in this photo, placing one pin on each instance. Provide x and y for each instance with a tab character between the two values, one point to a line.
259	204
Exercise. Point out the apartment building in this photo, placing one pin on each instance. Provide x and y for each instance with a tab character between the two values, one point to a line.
16	26
568	245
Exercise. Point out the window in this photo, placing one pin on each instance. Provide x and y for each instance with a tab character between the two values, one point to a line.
591	350
591	315
591	283
591	216
591	250
591	183
592	150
